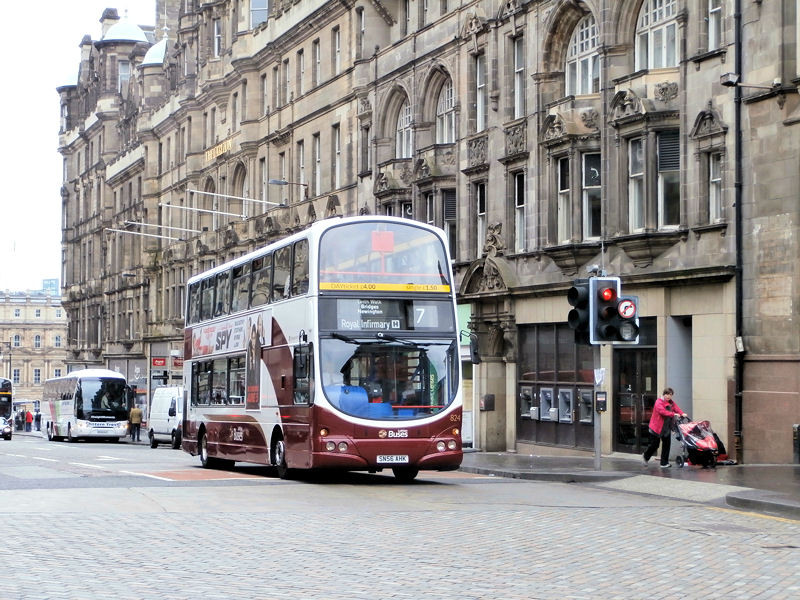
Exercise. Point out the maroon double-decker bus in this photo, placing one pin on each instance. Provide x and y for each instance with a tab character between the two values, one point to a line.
335	348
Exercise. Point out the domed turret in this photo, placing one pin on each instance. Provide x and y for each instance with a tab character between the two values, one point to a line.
125	31
155	55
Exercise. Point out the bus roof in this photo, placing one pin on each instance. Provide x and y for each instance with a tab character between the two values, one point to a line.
315	227
90	373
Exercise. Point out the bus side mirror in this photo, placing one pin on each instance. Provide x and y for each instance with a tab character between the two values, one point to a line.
301	363
474	354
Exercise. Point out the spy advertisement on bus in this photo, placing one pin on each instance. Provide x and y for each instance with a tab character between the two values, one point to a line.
256	339
228	336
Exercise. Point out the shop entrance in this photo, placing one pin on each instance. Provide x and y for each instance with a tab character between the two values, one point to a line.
634	396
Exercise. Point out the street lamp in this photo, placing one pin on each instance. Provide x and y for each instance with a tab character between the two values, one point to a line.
7	345
284	182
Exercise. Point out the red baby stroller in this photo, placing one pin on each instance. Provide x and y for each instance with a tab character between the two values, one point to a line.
698	442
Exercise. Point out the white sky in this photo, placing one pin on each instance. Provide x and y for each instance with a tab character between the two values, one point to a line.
41	52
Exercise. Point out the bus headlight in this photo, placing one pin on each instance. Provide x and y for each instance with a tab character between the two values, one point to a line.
441	446
342	446
330	446
451	445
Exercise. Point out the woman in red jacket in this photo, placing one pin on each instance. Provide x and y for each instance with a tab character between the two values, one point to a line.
660	426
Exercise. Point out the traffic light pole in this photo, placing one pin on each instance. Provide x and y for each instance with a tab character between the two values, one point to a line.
597	414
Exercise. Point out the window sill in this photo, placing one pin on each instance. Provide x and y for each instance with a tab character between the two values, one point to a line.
698	58
719	226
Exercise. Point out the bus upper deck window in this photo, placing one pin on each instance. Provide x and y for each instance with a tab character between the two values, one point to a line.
241	288
262	279
300	269
222	306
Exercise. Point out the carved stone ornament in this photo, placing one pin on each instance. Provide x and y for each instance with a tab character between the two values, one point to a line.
476	150
230	237
406	175
422	169
490	278
364	105
590	118
516	139
382	183
554	128
626	104
510	7
332	208
666	91
311	214
707	124
494	245
495	339
475	25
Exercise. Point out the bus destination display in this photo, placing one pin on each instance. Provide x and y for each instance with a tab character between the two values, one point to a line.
377	314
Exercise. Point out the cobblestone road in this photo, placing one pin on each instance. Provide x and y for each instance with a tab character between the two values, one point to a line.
364	536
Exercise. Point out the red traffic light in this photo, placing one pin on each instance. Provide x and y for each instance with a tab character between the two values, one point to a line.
608	294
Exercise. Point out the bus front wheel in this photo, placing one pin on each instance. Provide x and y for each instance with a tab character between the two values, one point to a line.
50	436
70	439
210	462
279	459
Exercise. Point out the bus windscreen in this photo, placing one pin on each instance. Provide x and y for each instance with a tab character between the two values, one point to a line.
374	256
103	398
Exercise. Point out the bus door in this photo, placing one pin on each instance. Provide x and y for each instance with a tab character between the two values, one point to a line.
291	373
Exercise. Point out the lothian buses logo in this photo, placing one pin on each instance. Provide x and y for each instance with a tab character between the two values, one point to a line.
400	433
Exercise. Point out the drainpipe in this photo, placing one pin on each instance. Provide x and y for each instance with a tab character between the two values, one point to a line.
739	357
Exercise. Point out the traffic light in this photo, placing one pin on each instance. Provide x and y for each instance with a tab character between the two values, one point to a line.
578	317
613	319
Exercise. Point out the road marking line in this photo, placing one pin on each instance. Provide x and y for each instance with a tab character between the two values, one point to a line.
87	465
753	514
147	475
43	458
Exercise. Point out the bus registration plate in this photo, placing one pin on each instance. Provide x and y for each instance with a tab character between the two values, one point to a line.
392	458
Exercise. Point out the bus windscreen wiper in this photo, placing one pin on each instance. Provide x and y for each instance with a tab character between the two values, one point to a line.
390	338
344	338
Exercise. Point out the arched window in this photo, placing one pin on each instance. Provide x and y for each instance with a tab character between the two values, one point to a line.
446	115
657	35
241	189
405	135
17	340
205	219
583	60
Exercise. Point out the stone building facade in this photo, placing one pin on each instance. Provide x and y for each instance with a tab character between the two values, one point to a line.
543	136
33	342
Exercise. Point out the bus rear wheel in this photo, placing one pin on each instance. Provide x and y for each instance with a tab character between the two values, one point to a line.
153	441
70	439
405	474
50	436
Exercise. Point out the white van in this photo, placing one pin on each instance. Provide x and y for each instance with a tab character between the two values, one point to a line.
166	416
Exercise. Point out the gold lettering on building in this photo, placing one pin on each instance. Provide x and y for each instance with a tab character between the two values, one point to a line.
220	148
